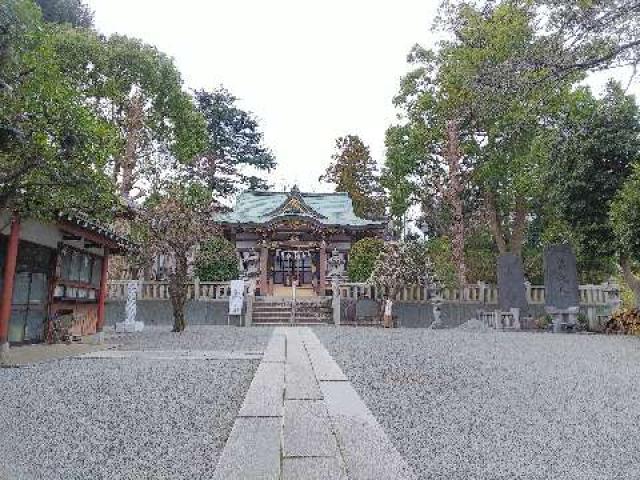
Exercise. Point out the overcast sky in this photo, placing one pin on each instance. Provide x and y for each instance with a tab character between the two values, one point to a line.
310	71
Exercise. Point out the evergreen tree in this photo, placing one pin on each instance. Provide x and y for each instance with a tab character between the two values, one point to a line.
73	12
354	171
234	145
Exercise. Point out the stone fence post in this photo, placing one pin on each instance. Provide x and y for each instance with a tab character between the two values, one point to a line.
335	302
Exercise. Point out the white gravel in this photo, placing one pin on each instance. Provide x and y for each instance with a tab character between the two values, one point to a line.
126	419
195	337
491	405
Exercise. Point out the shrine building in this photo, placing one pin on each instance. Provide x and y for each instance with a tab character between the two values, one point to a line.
52	272
294	234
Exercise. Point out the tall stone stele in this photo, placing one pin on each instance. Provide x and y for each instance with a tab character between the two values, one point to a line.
562	292
512	293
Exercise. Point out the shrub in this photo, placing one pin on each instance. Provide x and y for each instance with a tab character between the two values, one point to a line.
362	258
217	261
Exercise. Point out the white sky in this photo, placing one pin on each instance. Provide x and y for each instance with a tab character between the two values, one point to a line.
310	71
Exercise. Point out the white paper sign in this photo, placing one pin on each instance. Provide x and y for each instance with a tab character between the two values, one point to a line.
237	297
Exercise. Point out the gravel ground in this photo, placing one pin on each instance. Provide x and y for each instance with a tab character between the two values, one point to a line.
195	337
126	419
491	405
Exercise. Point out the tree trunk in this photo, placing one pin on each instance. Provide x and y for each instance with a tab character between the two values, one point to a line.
495	223
519	226
455	191
178	292
128	161
631	279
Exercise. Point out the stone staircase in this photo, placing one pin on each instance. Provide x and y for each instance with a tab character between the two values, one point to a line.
274	310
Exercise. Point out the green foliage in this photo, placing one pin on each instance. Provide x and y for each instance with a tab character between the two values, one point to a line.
438	250
234	142
600	145
53	148
625	215
138	90
481	256
73	12
356	173
217	261
362	258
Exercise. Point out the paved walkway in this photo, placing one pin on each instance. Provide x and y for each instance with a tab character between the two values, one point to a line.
302	419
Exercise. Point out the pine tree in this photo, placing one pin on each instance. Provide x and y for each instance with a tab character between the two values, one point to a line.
235	142
356	173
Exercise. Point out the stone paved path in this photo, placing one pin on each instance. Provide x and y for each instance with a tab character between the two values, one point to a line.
302	419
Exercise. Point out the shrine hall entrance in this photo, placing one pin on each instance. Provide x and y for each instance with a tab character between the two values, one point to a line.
287	266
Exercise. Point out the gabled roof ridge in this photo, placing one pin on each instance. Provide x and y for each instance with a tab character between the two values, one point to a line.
267	193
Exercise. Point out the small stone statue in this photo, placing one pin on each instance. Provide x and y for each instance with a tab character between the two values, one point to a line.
252	264
336	265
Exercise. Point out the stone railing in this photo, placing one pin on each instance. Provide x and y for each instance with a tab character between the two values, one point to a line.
152	290
591	295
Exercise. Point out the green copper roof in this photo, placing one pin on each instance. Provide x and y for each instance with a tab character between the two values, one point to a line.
324	208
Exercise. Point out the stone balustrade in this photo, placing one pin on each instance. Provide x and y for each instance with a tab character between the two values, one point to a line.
153	290
590	295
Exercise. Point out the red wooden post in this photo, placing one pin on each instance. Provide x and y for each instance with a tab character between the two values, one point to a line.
8	281
104	286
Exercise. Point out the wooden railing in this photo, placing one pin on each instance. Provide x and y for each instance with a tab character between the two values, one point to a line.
604	294
152	290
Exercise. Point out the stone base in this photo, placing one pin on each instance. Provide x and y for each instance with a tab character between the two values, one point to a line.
564	319
129	327
501	320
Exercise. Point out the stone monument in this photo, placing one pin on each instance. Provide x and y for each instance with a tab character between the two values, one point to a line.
130	325
512	293
562	293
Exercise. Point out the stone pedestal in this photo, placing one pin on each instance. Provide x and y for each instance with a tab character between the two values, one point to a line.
564	319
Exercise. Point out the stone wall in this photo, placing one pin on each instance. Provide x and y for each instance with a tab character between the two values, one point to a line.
159	312
410	314
454	314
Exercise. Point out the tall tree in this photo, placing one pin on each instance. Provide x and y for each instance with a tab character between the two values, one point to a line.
431	149
509	74
73	12
354	171
234	150
598	144
138	90
53	149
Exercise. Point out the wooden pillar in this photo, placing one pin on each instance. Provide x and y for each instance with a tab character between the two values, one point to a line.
8	282
264	264
322	269
104	287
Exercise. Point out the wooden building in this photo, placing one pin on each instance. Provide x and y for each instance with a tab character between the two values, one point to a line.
294	235
52	270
